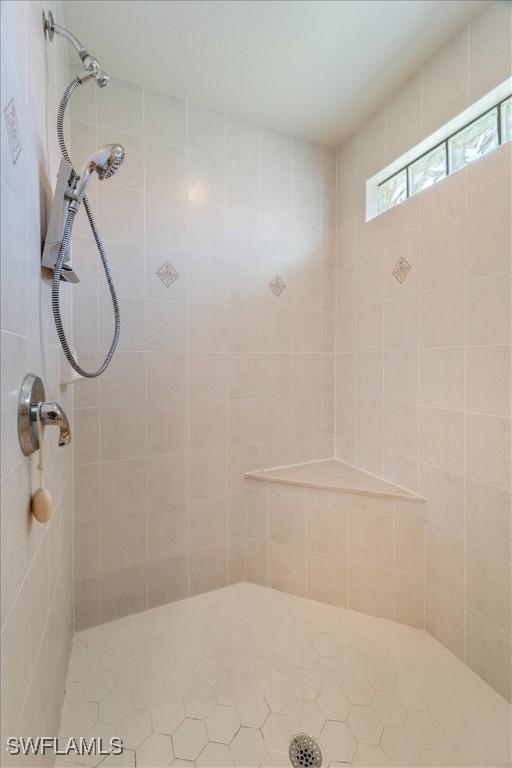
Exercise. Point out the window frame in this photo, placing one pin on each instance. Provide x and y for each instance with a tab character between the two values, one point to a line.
500	94
444	143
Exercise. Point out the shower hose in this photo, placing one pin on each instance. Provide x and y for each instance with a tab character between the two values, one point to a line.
64	251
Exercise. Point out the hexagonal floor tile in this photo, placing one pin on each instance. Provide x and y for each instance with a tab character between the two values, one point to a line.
78	716
144	647
364	724
179	681
333	703
252	710
307	717
228	690
215	756
304	655
99	686
134	728
155	751
306	683
130	674
187	654
326	644
389	708
248	747
358	689
277	731
399	746
222	724
337	742
275	760
199	702
103	731
148	693
426	731
115	706
380	676
167	716
207	671
125	760
189	739
371	756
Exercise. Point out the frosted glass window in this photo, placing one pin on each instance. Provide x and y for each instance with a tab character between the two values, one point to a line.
474	141
393	191
506	120
427	170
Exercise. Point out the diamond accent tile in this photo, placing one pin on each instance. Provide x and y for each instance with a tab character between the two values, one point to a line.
167	274
277	285
13	132
401	269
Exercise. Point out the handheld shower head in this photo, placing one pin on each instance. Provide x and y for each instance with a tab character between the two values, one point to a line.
105	162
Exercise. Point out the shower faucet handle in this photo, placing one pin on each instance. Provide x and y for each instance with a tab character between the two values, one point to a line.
33	407
51	414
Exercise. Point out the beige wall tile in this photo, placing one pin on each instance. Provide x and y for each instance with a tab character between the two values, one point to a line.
122	592
442	439
87	603
326	579
444	499
236	561
489	587
488	653
208	569
371	537
168	532
371	590
168	580
442	317
286	569
496	23
409	542
488	380
87	549
445	618
489	518
445	562
287	521
409	600
489	311
442	378
257	562
327	528
488	449
122	486
122	541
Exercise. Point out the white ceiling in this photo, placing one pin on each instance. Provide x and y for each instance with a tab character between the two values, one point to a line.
315	69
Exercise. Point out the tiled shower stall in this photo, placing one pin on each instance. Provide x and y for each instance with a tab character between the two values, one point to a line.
263	325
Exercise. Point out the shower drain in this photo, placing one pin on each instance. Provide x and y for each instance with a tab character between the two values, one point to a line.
304	752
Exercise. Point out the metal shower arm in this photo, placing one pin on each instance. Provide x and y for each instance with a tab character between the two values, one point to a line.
91	64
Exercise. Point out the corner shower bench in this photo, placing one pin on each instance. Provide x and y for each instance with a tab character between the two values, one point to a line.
334	533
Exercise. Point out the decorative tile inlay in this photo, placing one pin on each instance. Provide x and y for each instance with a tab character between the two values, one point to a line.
401	269
277	285
167	274
13	133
